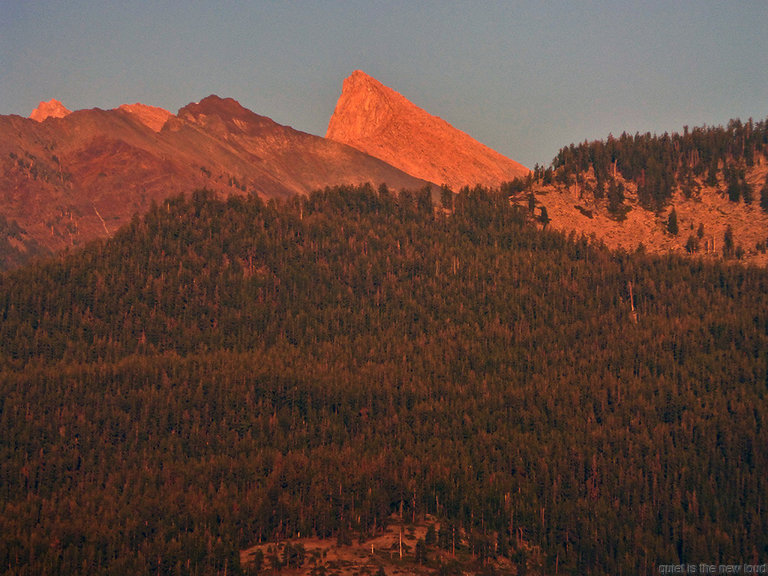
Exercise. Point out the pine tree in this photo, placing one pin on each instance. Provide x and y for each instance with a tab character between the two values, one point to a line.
544	216
672	226
728	242
764	196
531	202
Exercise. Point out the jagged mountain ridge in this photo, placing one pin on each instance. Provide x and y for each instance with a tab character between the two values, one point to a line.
67	180
51	109
381	122
72	176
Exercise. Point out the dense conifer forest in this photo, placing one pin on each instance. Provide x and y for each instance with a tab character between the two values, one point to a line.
221	373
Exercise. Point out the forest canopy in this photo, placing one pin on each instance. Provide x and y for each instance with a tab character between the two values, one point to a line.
225	372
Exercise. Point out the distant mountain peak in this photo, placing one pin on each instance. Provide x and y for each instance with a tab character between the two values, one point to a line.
214	110
225	108
381	122
51	109
360	77
214	104
151	116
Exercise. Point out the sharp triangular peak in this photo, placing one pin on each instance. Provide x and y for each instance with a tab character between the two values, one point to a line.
383	123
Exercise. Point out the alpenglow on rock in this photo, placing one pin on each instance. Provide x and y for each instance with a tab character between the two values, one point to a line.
84	174
51	109
378	121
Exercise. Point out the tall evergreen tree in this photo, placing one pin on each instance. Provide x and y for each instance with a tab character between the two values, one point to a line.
672	225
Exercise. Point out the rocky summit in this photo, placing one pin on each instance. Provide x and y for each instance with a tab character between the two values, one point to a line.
381	122
51	109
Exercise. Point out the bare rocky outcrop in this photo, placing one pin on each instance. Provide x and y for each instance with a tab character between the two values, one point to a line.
377	120
51	109
152	116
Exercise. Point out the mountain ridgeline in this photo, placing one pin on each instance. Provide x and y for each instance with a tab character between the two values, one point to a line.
223	372
659	166
71	177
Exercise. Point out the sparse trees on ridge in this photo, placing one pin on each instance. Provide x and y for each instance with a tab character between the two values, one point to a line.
659	165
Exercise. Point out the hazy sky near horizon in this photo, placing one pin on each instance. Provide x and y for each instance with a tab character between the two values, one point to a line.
524	78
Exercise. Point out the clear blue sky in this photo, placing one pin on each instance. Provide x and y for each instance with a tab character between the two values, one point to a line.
525	78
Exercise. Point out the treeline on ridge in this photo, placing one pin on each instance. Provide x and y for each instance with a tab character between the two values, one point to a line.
659	166
221	373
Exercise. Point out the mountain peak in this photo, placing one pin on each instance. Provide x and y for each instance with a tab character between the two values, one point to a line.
214	111
51	109
360	76
214	104
224	108
381	122
152	116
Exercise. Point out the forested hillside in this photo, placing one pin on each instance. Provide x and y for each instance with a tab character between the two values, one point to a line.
702	192
658	165
221	373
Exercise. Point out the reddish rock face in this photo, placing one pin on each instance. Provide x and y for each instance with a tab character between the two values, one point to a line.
152	116
51	109
378	121
66	181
